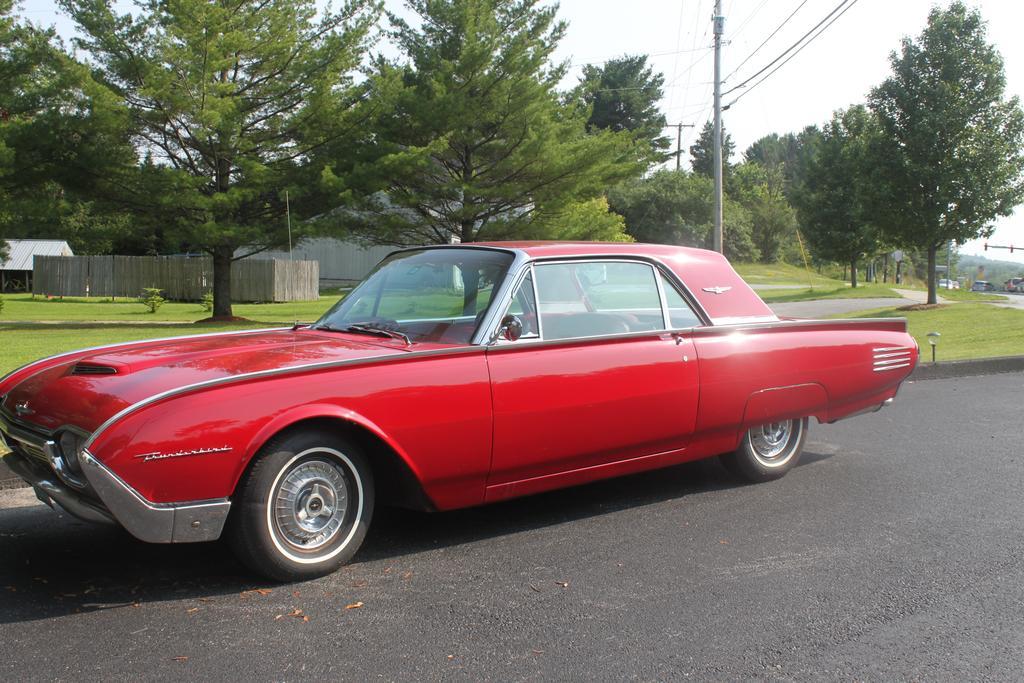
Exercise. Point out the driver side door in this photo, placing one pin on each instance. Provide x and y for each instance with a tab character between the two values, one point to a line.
598	380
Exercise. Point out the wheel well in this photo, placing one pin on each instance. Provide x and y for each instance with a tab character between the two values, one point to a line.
395	482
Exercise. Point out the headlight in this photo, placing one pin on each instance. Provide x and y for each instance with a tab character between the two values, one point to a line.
71	444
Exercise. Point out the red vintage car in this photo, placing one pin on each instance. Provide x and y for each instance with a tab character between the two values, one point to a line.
452	376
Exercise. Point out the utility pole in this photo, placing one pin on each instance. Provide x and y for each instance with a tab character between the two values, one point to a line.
718	21
679	140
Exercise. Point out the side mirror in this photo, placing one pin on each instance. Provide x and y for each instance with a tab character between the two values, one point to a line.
511	328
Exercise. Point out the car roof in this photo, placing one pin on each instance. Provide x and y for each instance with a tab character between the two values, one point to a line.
544	249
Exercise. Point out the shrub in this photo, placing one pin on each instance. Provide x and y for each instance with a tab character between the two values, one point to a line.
207	301
151	298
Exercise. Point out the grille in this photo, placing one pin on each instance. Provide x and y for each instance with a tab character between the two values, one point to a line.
891	358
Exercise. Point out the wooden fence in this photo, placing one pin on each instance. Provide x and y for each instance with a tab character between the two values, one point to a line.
180	278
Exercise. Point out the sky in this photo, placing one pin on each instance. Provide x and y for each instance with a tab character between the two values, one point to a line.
835	70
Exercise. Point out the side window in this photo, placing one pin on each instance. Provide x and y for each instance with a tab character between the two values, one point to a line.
680	314
589	299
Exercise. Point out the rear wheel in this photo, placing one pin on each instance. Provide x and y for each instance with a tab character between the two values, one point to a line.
769	451
303	508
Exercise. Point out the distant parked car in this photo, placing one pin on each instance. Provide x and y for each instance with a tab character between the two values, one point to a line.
1014	284
948	284
982	286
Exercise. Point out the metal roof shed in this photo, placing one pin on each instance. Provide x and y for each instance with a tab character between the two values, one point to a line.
16	269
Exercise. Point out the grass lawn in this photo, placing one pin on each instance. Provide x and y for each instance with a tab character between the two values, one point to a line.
24	307
783	274
842	292
968	330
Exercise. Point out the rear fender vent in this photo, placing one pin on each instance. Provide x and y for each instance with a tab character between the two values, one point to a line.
891	358
93	369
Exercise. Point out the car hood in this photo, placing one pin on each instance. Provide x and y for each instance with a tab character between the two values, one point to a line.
87	390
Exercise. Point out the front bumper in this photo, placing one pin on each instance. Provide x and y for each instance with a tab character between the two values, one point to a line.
106	497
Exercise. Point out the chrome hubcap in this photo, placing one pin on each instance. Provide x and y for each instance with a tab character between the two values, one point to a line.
769	442
310	504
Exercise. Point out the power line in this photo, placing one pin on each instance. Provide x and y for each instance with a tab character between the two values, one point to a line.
768	75
679	41
644	54
749	17
689	71
788	49
770	36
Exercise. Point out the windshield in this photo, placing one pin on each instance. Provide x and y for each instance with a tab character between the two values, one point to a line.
435	295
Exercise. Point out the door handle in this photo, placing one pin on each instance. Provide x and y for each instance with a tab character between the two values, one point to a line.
678	337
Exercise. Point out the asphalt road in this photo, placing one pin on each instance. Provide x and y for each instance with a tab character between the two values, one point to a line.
894	551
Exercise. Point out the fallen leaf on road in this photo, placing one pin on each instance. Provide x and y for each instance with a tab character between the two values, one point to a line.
192	611
257	591
406	575
563	584
534	588
179	658
295	594
205	599
538	652
360	584
355	605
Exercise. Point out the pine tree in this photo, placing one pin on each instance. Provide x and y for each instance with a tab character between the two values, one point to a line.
475	143
230	99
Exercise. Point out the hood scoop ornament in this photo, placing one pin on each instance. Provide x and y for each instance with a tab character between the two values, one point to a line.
93	369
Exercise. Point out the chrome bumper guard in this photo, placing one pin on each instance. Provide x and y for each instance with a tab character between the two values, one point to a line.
155	522
33	459
50	490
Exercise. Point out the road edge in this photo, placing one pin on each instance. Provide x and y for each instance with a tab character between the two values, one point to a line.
967	368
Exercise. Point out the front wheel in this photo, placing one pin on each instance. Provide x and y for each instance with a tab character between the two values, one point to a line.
769	451
303	508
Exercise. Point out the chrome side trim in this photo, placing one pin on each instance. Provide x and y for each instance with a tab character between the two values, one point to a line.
296	369
133	343
720	328
501	298
155	522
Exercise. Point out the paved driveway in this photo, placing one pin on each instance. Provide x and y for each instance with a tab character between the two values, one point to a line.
823	308
894	551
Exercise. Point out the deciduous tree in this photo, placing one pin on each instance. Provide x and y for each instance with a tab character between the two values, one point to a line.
673	207
836	208
760	190
952	160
